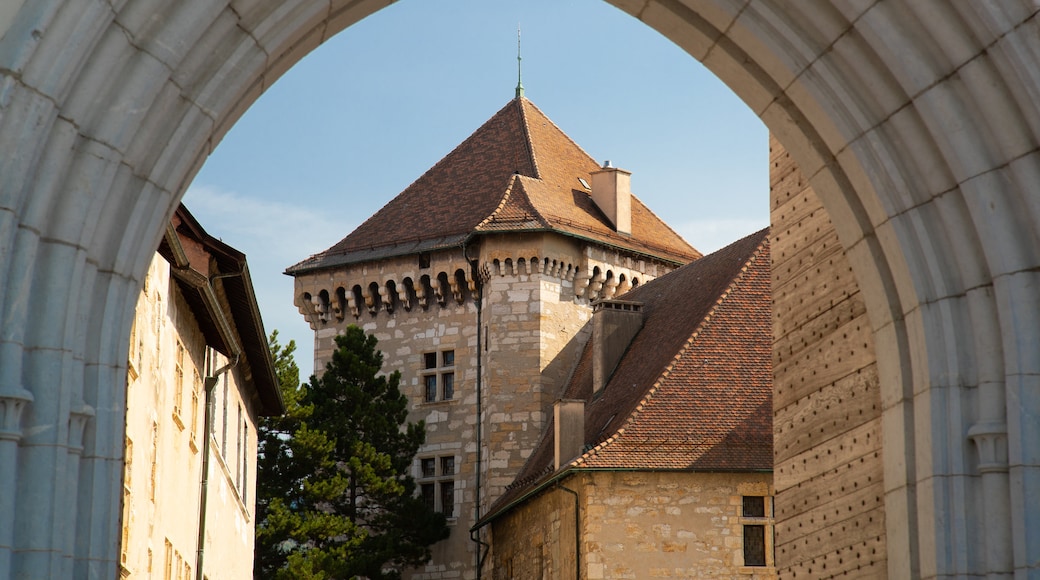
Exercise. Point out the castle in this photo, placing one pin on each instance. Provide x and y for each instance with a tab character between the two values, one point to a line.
480	281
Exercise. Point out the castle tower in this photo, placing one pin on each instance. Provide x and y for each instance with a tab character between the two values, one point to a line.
478	280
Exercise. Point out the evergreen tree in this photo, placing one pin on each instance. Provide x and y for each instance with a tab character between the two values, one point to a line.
334	498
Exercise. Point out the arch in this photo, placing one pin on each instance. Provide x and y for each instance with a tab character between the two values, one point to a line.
357	298
340	307
461	286
915	123
407	292
390	299
374	298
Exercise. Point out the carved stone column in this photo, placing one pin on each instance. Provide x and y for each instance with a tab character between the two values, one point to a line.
13	402
78	417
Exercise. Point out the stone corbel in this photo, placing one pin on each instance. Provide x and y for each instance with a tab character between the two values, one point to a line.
991	441
337	309
13	401
319	308
370	302
352	304
386	298
581	283
595	285
402	296
78	418
624	286
456	289
420	295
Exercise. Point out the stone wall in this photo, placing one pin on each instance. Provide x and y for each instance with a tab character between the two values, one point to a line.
634	524
826	395
536	293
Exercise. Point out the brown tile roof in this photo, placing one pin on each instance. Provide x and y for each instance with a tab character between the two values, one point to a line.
517	172
217	259
694	389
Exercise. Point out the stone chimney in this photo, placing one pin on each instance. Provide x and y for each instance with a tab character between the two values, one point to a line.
569	434
612	192
614	325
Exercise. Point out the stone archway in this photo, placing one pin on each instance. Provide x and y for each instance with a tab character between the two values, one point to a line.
916	124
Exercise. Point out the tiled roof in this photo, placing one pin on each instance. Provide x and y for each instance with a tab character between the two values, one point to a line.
694	389
517	172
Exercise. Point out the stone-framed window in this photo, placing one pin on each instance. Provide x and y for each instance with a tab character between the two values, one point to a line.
168	560
438	376
437	483
178	385
153	459
196	397
124	550
756	519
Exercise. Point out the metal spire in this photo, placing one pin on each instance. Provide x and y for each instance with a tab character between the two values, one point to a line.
519	83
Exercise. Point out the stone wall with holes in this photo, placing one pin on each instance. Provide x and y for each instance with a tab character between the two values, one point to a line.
827	408
635	524
537	293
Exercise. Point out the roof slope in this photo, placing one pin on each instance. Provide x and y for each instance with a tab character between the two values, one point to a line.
694	389
517	172
195	280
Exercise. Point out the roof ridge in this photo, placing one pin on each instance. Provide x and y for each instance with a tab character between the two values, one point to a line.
527	135
703	325
557	127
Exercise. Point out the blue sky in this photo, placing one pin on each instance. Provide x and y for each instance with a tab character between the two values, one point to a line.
360	118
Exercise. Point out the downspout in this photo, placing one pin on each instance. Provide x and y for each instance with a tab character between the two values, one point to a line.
210	382
577	529
482	547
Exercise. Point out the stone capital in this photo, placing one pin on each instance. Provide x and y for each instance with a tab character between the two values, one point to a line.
991	441
13	401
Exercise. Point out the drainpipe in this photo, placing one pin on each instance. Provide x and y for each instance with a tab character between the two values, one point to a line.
183	269
210	382
475	534
577	529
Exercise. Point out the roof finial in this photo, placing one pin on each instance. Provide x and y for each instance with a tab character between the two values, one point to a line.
519	83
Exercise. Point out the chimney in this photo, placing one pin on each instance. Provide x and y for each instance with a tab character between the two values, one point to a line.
612	192
569	435
614	325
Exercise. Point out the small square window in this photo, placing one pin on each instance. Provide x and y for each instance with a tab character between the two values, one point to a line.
754	506
431	360
427	466
449	385
447	466
448	358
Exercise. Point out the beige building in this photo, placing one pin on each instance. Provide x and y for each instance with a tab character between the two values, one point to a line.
657	462
198	357
479	281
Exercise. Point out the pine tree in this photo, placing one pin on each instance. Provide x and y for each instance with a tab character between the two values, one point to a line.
335	500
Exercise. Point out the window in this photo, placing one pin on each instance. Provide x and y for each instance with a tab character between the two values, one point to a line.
178	385
124	550
224	423
438	376
437	483
168	565
154	459
243	486
196	387
132	362
756	518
